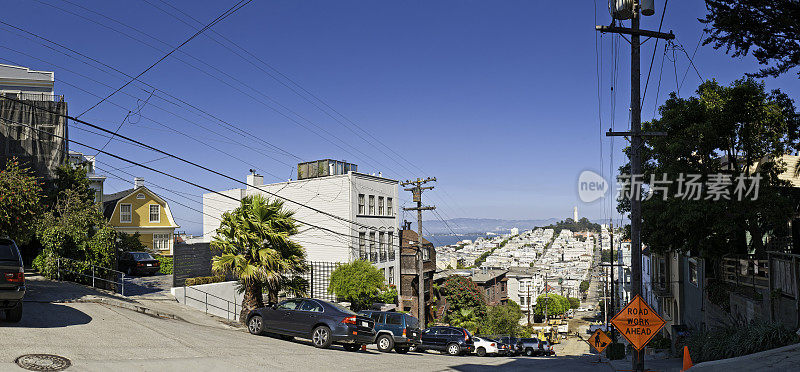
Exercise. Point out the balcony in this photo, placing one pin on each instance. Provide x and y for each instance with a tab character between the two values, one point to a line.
391	255
746	271
25	96
373	257
383	256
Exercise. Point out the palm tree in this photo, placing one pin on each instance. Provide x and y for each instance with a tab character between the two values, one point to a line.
257	249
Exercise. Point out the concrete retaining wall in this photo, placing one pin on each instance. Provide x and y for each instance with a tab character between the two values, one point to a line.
220	299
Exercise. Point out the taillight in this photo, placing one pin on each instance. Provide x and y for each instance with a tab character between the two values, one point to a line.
466	338
404	332
18	277
139	264
350	320
158	263
493	344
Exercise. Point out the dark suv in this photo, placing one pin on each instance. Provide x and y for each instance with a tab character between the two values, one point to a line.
12	280
394	330
452	340
514	346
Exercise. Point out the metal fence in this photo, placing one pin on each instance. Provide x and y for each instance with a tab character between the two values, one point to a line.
319	278
86	273
231	308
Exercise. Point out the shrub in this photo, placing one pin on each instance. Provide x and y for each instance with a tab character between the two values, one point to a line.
735	340
205	280
357	282
166	264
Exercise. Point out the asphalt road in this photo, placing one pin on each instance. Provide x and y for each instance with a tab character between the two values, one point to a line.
97	337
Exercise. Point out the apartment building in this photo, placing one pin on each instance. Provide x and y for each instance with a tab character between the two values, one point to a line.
32	129
355	215
409	277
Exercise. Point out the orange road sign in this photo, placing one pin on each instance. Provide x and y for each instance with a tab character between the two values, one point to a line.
638	322
599	340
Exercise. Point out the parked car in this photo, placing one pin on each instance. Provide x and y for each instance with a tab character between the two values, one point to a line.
514	347
12	280
546	348
394	330
323	322
452	340
531	346
141	263
486	346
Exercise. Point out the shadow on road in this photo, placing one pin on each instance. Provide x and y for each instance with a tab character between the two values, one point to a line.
47	315
561	363
144	285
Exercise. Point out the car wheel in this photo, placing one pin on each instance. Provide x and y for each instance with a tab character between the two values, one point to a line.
14	315
454	349
529	352
401	349
385	343
351	347
255	325
414	348
481	351
321	337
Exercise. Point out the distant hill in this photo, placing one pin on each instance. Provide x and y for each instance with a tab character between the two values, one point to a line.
484	225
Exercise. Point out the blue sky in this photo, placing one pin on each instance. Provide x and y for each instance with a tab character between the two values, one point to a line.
497	99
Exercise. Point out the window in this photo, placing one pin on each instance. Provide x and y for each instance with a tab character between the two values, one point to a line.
373	256
361	209
380	206
125	215
390	243
391	274
362	246
372	205
389	206
140	196
394	319
693	271
382	246
311	306
426	253
155	213
289	305
161	241
377	317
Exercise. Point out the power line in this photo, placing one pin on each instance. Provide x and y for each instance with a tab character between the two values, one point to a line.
652	59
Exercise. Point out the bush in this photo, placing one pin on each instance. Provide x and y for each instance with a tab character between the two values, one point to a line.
205	280
736	340
166	264
357	282
615	351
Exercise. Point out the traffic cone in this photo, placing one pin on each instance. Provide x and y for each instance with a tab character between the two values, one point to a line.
687	359
364	348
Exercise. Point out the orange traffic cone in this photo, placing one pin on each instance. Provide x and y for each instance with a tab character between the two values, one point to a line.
687	359
364	348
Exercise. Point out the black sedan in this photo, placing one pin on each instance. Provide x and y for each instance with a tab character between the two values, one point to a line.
12	280
141	263
323	322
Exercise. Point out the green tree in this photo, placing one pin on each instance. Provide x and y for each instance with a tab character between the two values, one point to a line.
69	177
130	242
735	130
503	319
574	303
768	28
357	282
462	293
20	202
467	318
584	286
255	240
554	304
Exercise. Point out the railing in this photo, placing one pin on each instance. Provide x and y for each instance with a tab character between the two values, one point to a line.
746	271
383	256
391	255
205	302
25	96
373	256
95	273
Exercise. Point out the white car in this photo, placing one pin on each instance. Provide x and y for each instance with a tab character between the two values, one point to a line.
484	347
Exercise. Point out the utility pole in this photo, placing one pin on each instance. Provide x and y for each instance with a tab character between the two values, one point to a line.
635	150
417	190
529	303
611	279
546	300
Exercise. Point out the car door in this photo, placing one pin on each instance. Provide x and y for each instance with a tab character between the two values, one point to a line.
281	318
429	337
394	323
306	316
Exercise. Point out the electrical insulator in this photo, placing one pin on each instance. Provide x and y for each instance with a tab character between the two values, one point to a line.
621	9
648	7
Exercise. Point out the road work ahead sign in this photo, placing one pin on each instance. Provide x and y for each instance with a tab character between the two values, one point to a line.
637	322
599	341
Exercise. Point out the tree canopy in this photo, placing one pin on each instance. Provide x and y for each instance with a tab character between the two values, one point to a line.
734	130
462	293
768	28
20	195
582	224
503	319
554	304
357	282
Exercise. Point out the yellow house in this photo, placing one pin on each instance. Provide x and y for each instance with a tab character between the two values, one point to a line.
141	210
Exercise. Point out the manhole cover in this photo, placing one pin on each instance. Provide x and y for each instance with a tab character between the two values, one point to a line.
43	362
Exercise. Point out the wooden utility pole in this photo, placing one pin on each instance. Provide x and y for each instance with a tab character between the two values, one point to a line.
417	190
611	277
635	152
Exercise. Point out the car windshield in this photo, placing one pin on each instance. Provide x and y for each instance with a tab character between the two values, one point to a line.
140	256
342	308
412	322
7	251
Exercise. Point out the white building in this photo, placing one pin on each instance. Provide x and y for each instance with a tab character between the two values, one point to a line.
77	159
514	231
366	205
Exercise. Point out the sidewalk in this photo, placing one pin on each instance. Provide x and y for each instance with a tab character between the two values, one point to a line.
40	289
666	365
785	358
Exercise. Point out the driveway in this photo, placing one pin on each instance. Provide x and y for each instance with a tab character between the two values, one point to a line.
152	286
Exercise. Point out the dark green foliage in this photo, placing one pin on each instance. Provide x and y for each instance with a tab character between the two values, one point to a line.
462	293
205	280
768	28
357	282
166	264
73	178
569	224
736	340
389	296
554	304
615	351
503	320
745	124
574	303
130	242
584	286
20	202
482	258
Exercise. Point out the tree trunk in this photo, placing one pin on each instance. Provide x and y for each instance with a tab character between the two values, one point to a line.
253	299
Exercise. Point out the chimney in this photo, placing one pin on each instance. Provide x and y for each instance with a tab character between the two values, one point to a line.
138	182
254	179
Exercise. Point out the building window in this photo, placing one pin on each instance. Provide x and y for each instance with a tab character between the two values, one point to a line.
380	206
426	253
389	206
155	213
693	271
125	215
362	246
161	242
382	242
361	209
372	205
391	274
373	256
390	243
